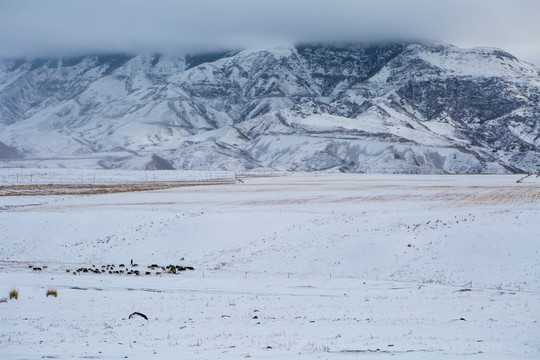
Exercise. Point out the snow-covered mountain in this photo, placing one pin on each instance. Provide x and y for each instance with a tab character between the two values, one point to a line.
406	108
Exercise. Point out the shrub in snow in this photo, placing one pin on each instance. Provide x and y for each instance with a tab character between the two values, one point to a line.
14	294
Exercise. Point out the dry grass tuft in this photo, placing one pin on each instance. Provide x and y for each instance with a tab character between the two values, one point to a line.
52	292
14	294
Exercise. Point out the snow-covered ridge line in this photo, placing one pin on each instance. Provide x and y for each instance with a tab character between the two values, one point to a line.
387	108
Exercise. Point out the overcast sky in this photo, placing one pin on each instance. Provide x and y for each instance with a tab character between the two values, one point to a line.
74	27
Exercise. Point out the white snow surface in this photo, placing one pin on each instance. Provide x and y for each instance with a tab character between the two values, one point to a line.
303	266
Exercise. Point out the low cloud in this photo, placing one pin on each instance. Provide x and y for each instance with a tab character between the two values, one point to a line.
68	27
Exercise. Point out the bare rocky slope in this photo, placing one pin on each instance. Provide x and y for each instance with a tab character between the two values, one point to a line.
392	108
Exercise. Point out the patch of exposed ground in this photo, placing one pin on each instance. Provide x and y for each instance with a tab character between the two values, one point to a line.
95	189
502	196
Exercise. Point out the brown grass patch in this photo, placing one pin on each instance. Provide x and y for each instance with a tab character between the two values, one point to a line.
14	294
94	189
502	196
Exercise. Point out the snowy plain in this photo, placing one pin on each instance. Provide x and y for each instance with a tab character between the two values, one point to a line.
303	266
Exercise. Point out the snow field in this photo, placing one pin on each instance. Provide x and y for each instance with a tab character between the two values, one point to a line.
298	318
332	267
45	176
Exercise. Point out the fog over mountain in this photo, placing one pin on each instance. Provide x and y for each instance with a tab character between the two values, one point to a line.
348	85
64	27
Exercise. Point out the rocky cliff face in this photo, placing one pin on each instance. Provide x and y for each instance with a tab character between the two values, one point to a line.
406	108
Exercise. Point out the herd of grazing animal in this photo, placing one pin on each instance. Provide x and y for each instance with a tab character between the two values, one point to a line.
122	269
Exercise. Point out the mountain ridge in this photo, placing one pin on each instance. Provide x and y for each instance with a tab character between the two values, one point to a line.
403	107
